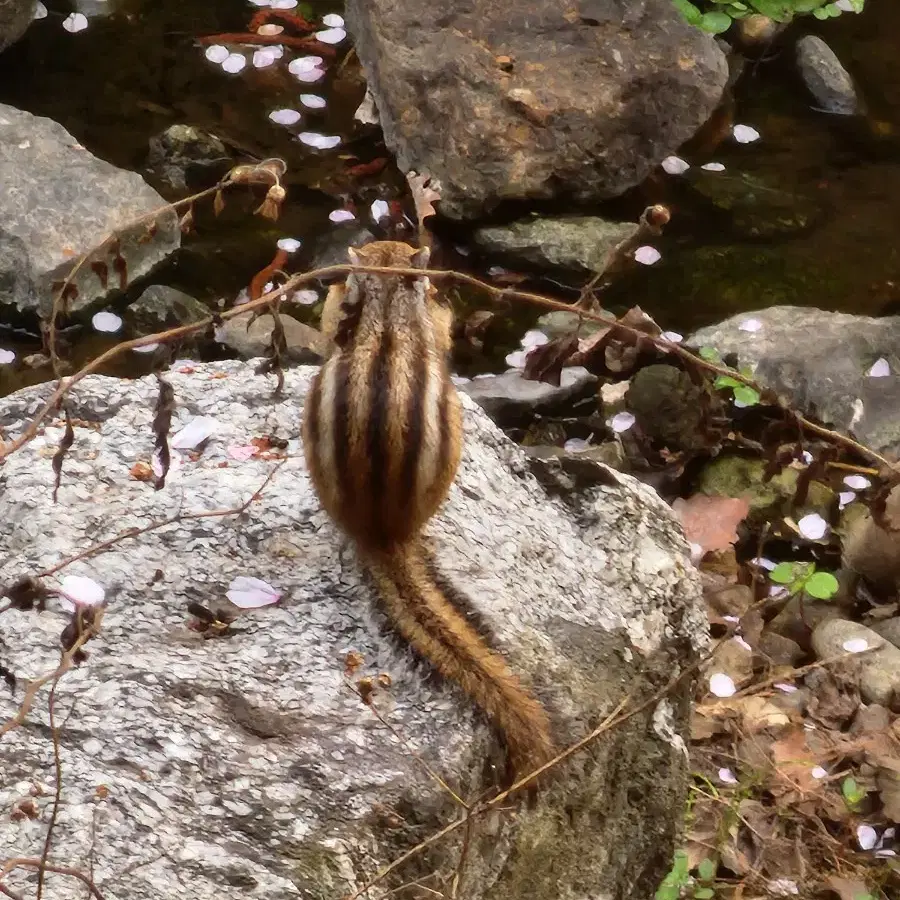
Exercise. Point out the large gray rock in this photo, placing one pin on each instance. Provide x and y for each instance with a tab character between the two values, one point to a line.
577	243
245	766
819	360
827	80
15	17
501	100
58	201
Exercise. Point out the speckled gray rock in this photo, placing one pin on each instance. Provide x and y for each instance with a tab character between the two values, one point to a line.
828	81
879	669
58	201
574	243
502	101
244	766
510	397
15	17
303	343
818	360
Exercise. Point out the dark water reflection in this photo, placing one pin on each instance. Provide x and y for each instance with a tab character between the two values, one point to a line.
831	187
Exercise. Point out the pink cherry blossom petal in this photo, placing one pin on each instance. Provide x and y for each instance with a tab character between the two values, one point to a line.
247	592
675	165
647	255
722	685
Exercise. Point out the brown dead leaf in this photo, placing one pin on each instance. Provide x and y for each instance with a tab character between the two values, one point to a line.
711	521
794	762
425	193
545	363
848	888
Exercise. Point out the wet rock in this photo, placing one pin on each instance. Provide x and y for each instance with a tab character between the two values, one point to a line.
827	80
161	306
573	243
753	208
581	102
667	407
510	398
819	361
304	344
879	670
15	17
58	201
237	760
184	157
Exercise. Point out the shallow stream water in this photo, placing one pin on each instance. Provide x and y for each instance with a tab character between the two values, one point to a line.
807	214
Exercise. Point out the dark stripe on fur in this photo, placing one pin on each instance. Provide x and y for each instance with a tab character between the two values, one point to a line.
376	429
415	430
341	426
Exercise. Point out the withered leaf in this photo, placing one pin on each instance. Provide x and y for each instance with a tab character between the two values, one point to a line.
711	521
545	363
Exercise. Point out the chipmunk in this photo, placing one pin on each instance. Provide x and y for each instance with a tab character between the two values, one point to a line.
382	435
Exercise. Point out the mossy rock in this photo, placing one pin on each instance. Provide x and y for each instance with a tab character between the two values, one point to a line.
742	476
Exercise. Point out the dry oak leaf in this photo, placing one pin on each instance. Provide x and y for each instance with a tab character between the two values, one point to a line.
711	521
425	193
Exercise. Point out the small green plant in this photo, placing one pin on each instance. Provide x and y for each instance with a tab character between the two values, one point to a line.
678	878
803	576
718	15
853	793
741	392
679	883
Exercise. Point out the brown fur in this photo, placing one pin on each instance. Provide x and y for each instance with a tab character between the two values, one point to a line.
382	434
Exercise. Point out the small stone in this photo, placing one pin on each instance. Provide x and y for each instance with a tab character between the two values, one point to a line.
879	669
826	79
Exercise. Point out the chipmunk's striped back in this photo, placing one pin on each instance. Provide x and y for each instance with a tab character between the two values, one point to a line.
383	423
382	434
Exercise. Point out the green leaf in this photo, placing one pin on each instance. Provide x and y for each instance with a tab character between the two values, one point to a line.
821	585
784	573
690	12
704	893
706	870
726	381
746	395
680	867
667	891
710	354
715	22
853	795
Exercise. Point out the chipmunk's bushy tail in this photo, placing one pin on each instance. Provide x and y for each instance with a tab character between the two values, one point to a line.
420	610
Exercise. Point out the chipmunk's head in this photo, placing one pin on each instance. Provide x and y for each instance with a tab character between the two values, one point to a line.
407	303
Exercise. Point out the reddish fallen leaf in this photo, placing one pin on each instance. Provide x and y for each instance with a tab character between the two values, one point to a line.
711	521
362	170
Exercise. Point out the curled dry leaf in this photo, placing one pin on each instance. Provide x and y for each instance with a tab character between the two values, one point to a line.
711	521
425	193
545	363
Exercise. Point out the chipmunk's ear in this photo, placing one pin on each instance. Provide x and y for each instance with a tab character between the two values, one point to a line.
420	258
354	256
